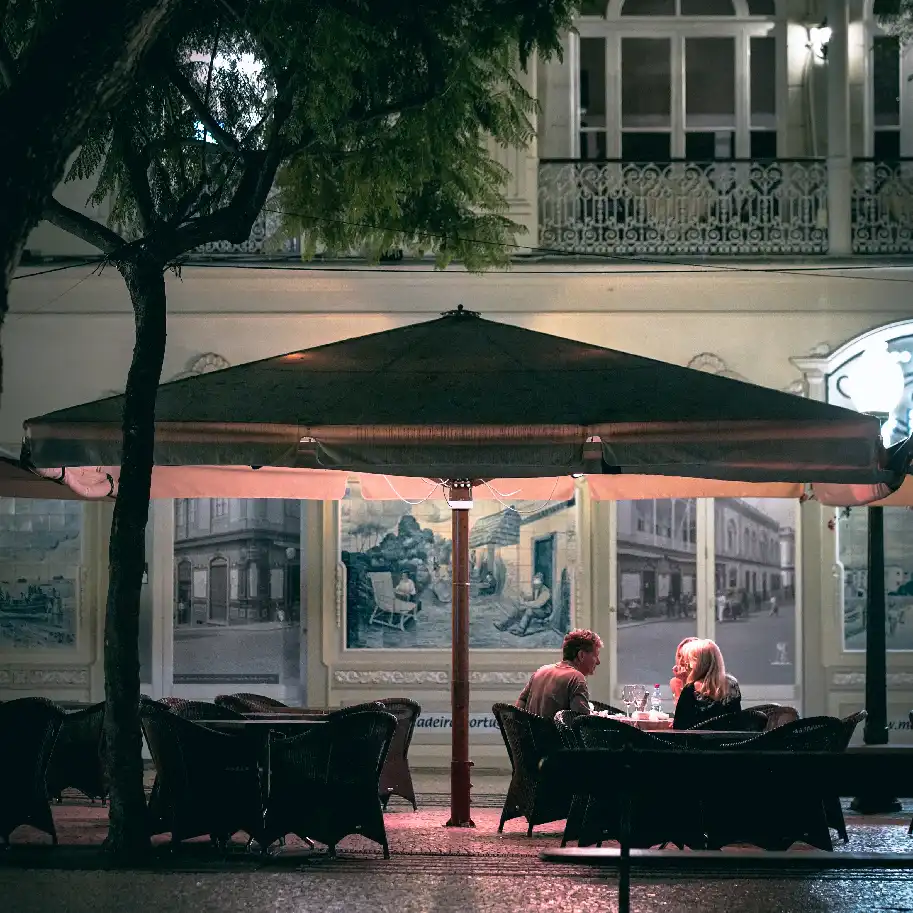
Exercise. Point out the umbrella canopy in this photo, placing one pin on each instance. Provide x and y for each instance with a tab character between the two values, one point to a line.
464	397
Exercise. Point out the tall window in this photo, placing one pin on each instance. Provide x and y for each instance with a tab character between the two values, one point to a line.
677	79
886	86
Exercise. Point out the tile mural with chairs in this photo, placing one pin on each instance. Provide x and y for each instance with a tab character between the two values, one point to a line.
397	557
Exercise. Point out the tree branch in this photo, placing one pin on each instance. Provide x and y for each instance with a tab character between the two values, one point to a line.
80	225
138	176
233	222
8	67
219	134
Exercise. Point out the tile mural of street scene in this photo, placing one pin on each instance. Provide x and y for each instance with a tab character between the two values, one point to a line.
40	554
237	593
399	575
754	587
852	536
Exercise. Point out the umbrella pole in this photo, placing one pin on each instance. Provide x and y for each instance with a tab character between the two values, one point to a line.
459	677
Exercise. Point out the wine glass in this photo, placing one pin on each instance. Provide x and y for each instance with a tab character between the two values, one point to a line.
627	698
639	693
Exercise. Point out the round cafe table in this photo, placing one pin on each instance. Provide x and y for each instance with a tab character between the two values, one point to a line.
660	725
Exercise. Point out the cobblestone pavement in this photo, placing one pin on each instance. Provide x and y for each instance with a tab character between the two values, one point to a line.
433	869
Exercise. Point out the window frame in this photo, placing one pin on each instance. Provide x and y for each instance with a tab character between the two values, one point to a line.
614	28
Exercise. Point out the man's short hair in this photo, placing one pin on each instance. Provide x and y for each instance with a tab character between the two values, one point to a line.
577	641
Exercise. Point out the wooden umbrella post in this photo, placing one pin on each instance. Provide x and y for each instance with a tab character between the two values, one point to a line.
459	495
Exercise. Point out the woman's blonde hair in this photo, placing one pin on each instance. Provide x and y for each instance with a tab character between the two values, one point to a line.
707	667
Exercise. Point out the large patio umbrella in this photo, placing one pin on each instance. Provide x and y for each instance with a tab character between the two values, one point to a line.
460	399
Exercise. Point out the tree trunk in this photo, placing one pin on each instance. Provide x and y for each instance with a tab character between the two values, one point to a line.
96	48
128	834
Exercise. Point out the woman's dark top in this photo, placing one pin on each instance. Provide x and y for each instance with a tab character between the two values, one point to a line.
693	708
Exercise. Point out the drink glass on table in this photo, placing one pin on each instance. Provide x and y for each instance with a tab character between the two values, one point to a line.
627	698
640	697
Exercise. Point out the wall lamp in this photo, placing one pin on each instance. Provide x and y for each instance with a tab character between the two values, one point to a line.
819	37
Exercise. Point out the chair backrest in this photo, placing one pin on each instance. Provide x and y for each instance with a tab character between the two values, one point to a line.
850	723
601	707
814	733
350	748
777	714
199	710
741	721
28	731
529	738
245	702
367	706
564	720
406	712
599	732
382	585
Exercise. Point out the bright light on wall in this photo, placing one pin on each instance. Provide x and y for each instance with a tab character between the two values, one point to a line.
818	39
876	383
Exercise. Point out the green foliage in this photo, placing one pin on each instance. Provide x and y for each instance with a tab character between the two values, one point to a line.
896	18
384	112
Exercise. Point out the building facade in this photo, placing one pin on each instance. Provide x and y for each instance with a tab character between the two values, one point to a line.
754	132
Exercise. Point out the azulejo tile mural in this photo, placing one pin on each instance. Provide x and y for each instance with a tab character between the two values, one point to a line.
398	572
40	557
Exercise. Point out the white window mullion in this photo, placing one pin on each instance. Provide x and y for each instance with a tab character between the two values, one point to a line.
906	101
706	569
613	95
677	143
742	96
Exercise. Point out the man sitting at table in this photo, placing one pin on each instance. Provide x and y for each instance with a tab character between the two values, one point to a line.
562	686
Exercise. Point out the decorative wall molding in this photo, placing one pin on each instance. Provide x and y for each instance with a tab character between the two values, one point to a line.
423	677
713	364
857	679
204	364
43	677
797	387
201	364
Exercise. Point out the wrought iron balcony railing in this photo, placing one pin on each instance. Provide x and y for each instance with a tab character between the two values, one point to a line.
882	206
726	208
259	243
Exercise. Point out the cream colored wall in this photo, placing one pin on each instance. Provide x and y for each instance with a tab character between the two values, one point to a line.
69	336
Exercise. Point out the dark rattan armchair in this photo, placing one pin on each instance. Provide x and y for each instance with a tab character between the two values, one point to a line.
206	782
775	822
529	738
244	702
600	707
199	710
78	758
324	783
742	721
28	730
833	810
777	714
666	815
395	777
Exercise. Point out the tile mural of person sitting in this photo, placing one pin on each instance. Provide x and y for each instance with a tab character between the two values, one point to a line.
535	607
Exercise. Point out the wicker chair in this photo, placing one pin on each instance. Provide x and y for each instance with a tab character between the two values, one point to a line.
395	777
530	738
794	815
777	714
245	702
78	758
324	784
564	720
664	816
742	721
600	707
207	782
28	730
199	710
833	810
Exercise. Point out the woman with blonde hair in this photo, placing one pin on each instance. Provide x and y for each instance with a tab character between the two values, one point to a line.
708	691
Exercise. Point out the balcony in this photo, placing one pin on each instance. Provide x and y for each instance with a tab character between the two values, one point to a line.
721	208
882	201
260	244
726	208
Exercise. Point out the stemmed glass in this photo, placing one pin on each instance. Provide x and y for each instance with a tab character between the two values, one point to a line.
639	693
627	698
